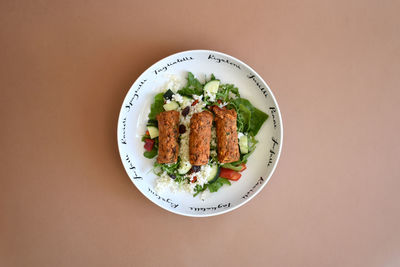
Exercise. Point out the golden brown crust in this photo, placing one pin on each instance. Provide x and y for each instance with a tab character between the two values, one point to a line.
200	137
227	137
168	146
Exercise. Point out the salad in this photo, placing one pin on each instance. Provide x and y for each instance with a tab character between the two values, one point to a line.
203	135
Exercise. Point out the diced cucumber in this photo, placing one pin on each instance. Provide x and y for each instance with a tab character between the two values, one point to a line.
153	131
186	101
244	144
184	167
212	86
171	106
214	174
168	94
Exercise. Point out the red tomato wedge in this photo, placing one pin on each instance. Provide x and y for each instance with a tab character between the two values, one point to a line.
148	144
230	174
243	167
195	102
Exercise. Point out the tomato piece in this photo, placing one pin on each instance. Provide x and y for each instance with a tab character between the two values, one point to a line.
195	102
230	174
243	167
147	133
194	179
148	144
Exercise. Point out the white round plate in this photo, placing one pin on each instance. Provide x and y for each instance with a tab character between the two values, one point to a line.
132	125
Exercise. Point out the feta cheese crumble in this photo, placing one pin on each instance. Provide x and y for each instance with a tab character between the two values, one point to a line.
164	181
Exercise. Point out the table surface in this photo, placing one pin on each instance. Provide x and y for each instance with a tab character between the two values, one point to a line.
65	199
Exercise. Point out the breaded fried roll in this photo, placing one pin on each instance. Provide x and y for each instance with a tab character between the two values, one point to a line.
200	137
227	137
168	146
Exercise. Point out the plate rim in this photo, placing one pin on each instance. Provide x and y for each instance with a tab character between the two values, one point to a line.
278	154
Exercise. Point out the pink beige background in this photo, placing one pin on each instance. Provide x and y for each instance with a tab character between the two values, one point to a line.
65	199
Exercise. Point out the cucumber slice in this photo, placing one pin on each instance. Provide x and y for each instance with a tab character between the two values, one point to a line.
212	86
244	144
184	167
214	174
171	106
153	131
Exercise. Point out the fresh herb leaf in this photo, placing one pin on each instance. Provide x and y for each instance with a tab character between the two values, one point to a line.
168	168
198	189
150	154
224	90
213	187
193	86
157	106
213	154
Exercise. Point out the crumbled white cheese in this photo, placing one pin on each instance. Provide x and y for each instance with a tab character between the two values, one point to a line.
197	97
178	98
212	96
223	104
201	177
164	181
232	95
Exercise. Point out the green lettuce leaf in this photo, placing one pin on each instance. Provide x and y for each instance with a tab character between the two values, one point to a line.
257	117
193	86
213	187
150	154
245	116
157	106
